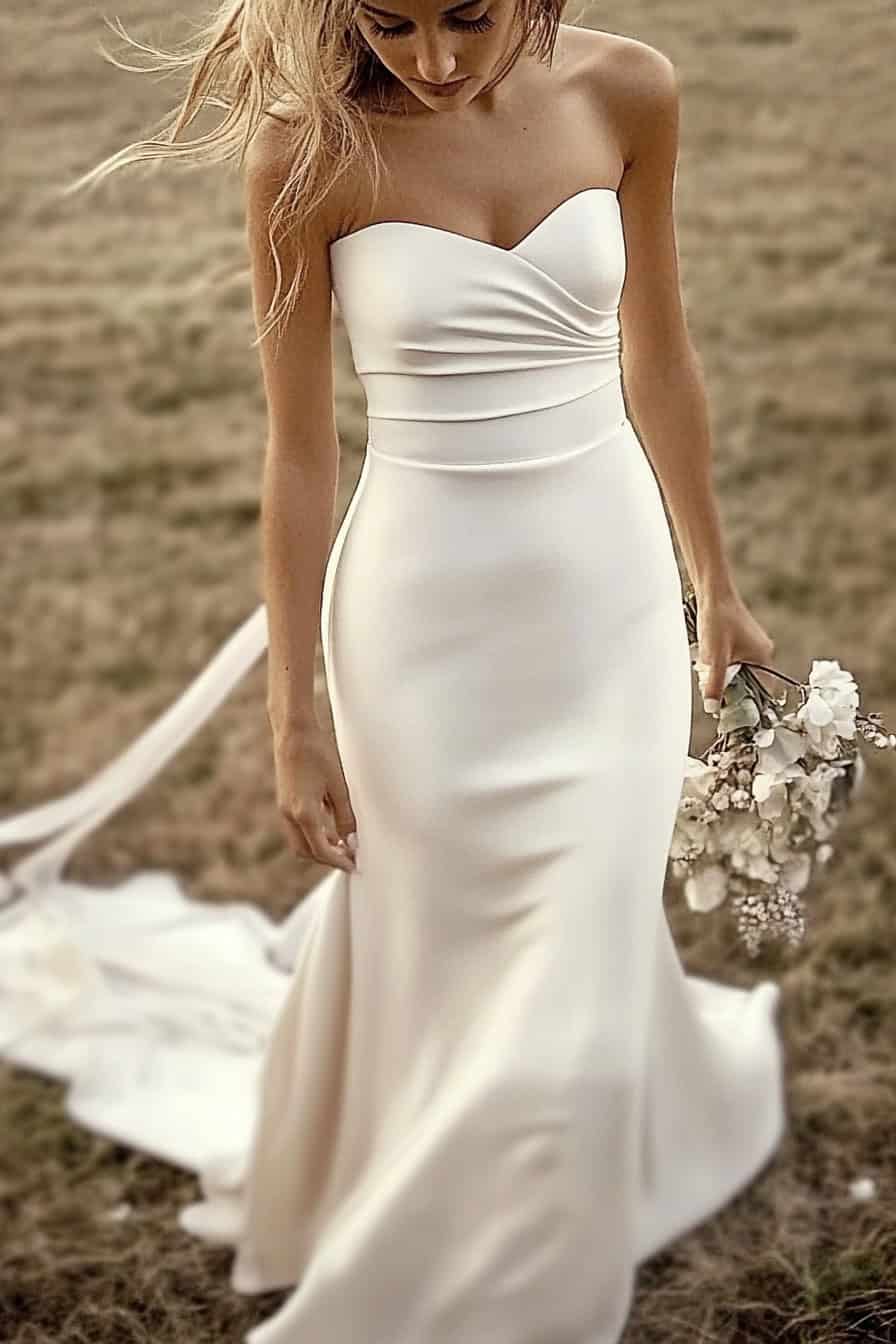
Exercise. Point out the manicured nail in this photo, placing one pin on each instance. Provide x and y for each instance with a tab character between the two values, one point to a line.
712	706
352	841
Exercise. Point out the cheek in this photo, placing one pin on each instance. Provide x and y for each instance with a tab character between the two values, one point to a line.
393	52
492	45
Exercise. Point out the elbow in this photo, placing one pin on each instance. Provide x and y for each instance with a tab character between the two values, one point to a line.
661	369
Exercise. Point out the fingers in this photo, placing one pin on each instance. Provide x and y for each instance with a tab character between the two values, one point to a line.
311	837
715	684
713	677
327	847
343	817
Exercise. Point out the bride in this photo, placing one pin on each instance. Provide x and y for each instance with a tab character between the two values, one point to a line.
466	1088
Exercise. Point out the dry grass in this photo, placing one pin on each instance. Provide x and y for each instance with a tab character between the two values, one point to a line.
131	449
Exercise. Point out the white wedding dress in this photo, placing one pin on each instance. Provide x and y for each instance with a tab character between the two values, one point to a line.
458	1096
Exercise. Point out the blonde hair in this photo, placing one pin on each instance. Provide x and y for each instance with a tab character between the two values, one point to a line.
254	56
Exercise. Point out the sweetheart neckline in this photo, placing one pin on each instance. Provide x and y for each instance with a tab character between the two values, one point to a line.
465	237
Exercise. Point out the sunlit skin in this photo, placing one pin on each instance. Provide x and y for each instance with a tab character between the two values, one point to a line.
421	42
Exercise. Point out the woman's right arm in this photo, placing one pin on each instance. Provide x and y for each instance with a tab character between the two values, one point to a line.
297	508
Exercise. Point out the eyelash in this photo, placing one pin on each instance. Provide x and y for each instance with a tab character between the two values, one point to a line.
479	25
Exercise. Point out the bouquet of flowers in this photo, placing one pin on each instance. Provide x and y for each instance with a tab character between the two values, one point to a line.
759	805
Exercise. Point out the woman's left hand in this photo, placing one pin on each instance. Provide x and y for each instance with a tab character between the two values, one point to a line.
727	633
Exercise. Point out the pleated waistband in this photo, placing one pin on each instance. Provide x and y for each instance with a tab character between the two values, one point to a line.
546	434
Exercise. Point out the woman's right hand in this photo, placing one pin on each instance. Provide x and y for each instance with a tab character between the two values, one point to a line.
312	795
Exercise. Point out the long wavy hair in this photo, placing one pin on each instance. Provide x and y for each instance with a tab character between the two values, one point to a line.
308	65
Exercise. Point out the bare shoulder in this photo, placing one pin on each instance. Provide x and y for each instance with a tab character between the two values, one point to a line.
623	60
268	152
637	84
269	161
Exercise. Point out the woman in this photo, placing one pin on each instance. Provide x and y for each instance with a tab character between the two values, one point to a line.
491	1091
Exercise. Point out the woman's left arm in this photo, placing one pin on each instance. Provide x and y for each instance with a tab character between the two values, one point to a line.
662	377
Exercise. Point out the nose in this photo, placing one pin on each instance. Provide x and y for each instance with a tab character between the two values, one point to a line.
436	62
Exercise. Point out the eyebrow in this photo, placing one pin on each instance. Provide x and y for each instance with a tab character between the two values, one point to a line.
389	14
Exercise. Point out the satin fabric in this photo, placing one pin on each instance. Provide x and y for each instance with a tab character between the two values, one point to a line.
476	1086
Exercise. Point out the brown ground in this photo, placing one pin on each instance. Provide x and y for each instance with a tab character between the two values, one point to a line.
131	448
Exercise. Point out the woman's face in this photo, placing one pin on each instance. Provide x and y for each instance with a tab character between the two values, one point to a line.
425	43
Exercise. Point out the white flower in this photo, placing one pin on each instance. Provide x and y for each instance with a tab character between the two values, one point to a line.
815	788
771	793
829	676
689	835
688	838
830	709
706	888
739	835
742	840
818	718
698	777
778	748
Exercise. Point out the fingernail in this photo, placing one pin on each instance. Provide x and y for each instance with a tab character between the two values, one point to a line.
712	706
352	841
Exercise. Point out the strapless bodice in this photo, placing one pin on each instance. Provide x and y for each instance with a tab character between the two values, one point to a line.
451	335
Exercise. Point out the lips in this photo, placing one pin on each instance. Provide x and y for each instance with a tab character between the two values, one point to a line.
443	88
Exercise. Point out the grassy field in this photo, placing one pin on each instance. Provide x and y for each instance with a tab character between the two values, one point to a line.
131	442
